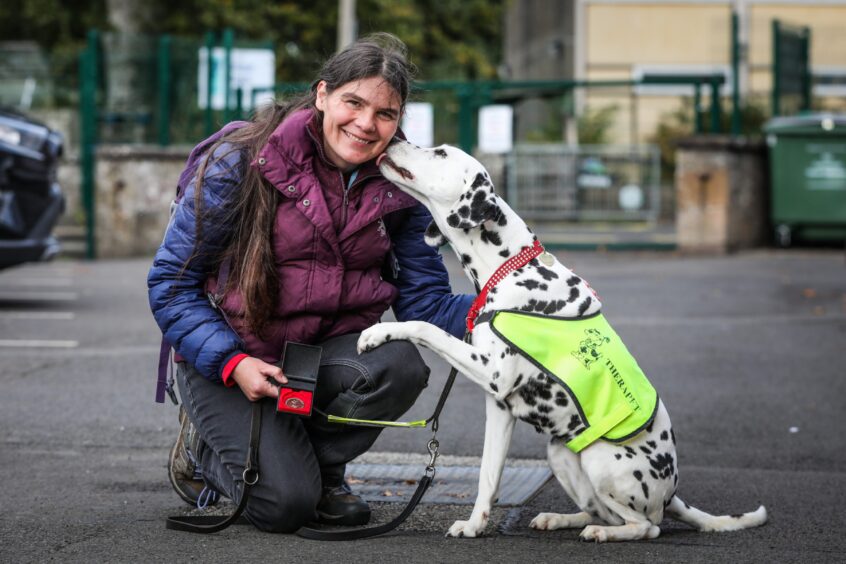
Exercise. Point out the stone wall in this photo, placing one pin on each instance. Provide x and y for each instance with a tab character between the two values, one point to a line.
721	194
135	185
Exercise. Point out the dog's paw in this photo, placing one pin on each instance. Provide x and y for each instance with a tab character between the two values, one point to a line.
545	522
374	336
466	529
594	533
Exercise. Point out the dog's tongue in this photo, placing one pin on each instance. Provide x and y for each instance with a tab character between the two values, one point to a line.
380	158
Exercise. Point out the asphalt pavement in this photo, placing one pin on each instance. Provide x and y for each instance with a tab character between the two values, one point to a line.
746	350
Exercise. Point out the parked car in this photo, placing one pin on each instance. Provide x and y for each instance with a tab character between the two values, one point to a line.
31	200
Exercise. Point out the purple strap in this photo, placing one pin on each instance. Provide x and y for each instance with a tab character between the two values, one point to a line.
163	385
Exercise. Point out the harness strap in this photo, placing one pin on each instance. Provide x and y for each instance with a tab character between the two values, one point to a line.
206	524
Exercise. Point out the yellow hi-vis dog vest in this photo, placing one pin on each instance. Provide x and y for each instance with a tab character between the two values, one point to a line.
586	356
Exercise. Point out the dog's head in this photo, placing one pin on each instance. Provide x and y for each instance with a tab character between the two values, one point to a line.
453	185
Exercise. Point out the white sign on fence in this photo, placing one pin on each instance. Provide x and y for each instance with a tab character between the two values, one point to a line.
418	124
495	128
251	69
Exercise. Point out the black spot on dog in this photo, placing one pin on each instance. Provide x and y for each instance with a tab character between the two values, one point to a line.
440	153
494	387
502	221
479	180
584	306
484	359
474	356
527	396
434	234
543	286
546	273
529	284
638	475
491	237
673	435
466	259
652	444
649	427
573	280
452	220
653	474
738	516
645	490
500	405
554	306
518	380
663	464
664	435
504	253
574	422
631	505
645	450
464	211
544	408
618	456
561	399
574	295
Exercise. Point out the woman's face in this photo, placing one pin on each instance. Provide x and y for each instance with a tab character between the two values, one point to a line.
359	120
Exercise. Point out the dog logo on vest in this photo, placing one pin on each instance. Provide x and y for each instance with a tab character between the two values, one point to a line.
587	352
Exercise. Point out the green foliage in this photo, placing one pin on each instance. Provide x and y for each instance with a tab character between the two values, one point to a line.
681	123
446	39
595	124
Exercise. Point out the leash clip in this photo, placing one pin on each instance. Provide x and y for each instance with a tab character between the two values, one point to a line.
433	454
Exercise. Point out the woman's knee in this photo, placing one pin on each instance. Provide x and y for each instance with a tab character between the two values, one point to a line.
283	512
407	375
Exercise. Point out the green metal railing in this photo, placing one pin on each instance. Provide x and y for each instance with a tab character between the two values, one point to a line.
791	68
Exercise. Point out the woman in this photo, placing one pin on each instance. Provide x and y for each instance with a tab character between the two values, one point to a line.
289	227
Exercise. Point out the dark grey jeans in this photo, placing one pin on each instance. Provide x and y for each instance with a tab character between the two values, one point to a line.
298	456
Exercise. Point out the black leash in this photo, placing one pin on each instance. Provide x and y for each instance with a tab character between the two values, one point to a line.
205	524
422	486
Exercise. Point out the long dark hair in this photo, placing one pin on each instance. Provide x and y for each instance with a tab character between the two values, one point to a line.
252	211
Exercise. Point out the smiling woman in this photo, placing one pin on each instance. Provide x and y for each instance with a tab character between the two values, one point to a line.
287	222
359	120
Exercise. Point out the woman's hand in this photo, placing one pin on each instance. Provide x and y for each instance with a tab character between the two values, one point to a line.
254	376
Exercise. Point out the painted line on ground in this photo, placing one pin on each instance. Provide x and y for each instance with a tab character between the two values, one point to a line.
10	296
421	459
40	315
37	344
47	282
726	320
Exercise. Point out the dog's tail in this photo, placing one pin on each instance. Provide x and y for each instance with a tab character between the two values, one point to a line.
680	510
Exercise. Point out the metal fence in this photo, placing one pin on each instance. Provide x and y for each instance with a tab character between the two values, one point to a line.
560	182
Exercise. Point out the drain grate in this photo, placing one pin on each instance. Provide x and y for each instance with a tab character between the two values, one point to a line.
452	485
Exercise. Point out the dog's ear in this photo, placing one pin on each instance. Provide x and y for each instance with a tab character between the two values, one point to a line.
476	204
433	236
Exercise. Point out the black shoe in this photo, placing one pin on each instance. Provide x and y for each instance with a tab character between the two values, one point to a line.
183	468
339	506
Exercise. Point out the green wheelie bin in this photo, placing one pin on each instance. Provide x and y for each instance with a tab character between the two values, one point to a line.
808	177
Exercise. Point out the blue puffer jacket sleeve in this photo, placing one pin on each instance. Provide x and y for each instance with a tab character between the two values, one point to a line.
195	329
421	277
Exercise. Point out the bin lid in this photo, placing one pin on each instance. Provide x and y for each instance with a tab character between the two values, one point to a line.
817	124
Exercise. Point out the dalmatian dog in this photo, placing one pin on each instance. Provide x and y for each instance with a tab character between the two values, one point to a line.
622	489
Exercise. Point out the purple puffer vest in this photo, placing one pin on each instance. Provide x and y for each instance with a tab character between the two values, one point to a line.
329	282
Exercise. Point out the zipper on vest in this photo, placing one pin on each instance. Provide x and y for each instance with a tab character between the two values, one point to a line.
347	188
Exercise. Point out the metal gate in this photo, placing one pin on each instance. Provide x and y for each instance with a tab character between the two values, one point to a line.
559	182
